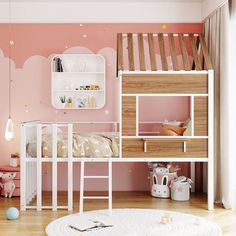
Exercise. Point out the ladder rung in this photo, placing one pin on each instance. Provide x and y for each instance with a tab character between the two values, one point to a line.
95	197
96	177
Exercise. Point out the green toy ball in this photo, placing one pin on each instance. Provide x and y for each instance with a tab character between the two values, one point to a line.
12	213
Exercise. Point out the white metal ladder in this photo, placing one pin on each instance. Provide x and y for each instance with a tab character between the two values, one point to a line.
83	177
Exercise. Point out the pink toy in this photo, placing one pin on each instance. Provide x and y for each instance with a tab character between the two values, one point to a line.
8	183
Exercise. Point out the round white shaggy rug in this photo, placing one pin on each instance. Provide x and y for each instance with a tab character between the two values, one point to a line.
132	222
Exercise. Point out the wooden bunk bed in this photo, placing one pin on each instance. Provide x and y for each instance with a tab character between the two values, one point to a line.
188	73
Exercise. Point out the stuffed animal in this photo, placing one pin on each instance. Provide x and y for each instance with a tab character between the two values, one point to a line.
8	184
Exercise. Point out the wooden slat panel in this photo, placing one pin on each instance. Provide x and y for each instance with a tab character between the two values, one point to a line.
152	52
128	116
130	51
184	53
200	116
120	63
205	53
195	53
165	83
134	148
162	52
173	52
141	52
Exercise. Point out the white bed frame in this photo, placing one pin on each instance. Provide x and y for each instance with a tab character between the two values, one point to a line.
31	168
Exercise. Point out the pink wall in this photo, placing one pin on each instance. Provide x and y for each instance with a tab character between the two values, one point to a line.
34	45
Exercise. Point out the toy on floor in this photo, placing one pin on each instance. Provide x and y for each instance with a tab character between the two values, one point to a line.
166	219
12	213
8	183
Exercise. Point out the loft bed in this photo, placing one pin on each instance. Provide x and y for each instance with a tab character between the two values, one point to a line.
148	65
166	65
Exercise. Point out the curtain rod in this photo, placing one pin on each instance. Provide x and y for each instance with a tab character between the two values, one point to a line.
218	7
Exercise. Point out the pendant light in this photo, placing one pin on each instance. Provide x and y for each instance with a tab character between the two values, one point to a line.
9	132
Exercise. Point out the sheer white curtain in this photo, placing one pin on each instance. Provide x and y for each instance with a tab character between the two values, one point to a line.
220	34
230	197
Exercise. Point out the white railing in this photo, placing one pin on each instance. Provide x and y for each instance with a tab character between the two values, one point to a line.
31	167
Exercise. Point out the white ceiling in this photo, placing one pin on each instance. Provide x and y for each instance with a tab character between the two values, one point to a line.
104	11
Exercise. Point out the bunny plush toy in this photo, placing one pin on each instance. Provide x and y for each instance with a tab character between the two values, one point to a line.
160	190
8	183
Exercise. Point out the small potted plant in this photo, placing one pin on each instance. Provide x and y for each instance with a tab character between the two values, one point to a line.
69	103
63	101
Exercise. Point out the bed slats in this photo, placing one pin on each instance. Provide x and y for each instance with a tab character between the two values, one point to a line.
162	52
195	52
131	51
119	52
152	52
141	53
173	52
177	52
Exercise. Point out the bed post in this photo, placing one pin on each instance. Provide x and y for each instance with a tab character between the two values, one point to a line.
23	168
39	167
54	167
70	167
210	140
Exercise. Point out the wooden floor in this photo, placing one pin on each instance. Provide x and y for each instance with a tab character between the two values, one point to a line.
33	223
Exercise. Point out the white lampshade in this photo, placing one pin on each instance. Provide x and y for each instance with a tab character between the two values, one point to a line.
9	133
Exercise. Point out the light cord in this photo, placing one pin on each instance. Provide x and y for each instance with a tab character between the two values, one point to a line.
9	57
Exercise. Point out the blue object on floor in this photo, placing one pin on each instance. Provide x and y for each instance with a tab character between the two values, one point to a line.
12	213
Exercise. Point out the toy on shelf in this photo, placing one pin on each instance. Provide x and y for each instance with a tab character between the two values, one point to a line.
8	183
14	159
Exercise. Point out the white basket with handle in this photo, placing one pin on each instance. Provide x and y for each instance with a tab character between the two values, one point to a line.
180	189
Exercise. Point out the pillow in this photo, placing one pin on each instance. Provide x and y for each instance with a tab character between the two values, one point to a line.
170	130
188	125
172	122
166	132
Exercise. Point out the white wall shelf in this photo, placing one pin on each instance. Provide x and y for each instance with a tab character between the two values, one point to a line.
79	78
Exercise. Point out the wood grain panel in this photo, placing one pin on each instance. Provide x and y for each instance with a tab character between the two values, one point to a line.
173	52
128	116
134	148
152	52
162	52
207	58
120	64
141	52
200	116
184	53
165	83
195	53
130	51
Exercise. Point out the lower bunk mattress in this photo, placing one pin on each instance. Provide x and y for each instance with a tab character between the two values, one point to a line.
84	145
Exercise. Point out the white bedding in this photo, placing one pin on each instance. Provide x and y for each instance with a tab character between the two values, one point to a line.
84	145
